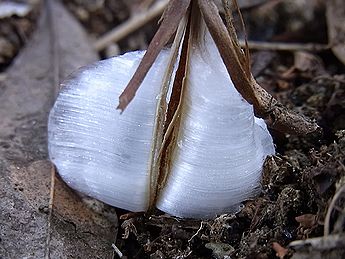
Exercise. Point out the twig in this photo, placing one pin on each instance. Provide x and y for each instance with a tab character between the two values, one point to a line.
283	46
50	207
197	232
265	106
117	251
131	25
233	35
275	114
330	209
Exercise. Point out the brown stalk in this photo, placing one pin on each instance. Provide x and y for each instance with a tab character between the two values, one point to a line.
171	19
246	49
265	106
243	57
227	50
236	61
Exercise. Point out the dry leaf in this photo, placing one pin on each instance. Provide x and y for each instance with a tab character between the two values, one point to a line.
309	63
58	47
281	252
307	220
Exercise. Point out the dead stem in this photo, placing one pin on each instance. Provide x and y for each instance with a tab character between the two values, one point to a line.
236	61
285	46
171	19
276	115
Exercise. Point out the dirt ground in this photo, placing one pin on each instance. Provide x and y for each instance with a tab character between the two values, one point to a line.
298	184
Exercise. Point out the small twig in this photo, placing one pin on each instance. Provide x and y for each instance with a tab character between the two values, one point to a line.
236	62
197	232
275	114
246	48
283	46
50	209
117	251
242	57
336	196
131	25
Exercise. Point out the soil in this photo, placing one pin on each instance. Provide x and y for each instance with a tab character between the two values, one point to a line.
298	183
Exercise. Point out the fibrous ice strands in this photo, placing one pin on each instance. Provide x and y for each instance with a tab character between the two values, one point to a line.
220	146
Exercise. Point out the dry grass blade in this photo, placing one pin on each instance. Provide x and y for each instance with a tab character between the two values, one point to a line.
265	106
171	19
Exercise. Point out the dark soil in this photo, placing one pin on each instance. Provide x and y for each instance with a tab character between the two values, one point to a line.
298	183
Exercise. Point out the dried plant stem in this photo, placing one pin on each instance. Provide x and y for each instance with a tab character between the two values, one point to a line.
284	46
236	61
117	251
265	106
131	25
244	59
172	16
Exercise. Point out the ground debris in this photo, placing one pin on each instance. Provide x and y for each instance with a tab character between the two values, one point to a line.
332	247
298	183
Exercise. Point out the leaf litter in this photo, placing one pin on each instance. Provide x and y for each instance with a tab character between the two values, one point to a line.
298	183
29	228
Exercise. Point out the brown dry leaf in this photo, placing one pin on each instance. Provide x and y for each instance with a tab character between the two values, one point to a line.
307	220
281	252
336	27
309	63
58	47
